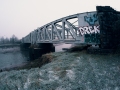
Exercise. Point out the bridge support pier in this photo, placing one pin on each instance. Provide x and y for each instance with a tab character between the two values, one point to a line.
42	48
109	20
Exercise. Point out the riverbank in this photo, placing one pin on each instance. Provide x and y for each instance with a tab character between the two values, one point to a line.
9	45
9	50
49	57
76	70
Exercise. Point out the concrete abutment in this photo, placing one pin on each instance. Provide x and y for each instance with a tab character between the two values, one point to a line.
36	51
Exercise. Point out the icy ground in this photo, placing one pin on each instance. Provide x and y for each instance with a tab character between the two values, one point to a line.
67	71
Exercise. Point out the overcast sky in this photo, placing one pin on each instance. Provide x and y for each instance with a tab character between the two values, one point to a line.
20	17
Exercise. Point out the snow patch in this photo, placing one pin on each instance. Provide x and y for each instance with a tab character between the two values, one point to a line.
27	83
70	74
52	76
60	88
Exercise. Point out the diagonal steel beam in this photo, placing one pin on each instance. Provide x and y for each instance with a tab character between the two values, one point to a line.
47	33
59	36
71	28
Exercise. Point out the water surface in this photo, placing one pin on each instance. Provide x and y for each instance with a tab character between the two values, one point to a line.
10	57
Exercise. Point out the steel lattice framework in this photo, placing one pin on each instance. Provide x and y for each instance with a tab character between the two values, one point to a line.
70	29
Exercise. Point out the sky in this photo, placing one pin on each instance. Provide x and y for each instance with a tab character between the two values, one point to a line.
20	17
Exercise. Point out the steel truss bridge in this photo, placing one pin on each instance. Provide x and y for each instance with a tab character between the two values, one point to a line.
77	28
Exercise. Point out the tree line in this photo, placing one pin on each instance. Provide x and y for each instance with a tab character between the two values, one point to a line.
12	40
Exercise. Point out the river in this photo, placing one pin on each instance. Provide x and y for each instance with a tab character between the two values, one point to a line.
12	57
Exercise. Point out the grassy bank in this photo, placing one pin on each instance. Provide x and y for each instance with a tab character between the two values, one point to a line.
76	70
68	54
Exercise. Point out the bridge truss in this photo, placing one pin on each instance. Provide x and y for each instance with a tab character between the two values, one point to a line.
78	28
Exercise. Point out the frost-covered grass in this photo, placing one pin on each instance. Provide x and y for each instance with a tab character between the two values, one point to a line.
9	50
67	71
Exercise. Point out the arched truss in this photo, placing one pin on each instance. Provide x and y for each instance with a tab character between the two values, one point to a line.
62	30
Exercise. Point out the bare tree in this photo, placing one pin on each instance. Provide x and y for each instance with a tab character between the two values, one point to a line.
6	40
2	40
13	39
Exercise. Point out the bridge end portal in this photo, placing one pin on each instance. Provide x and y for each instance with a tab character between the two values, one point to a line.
109	20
